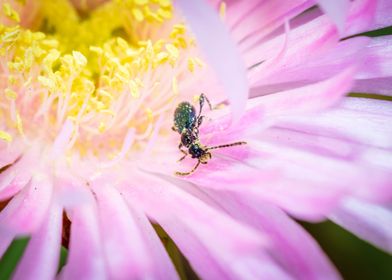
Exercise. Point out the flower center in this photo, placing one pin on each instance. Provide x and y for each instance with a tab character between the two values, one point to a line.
109	74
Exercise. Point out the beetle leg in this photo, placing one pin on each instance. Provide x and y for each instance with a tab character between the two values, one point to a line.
182	151
189	172
184	156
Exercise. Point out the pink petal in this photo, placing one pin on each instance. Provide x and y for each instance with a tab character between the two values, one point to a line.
337	10
383	15
304	44
264	109
5	241
361	16
351	121
220	51
369	221
306	99
9	154
251	21
303	260
27	210
85	258
15	177
377	60
40	260
124	248
162	265
381	86
343	55
212	255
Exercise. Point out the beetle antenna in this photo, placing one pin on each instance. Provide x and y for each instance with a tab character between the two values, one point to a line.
189	172
226	145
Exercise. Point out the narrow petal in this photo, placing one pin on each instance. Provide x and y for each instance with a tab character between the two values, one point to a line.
377	60
306	71
213	255
9	153
257	19
41	257
361	16
15	177
163	267
27	210
349	120
85	258
306	99
383	15
220	50
304	260
369	221
124	247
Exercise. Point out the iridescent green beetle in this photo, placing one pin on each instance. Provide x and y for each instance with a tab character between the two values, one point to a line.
187	123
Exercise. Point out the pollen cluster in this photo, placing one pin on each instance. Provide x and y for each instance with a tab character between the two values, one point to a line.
110	72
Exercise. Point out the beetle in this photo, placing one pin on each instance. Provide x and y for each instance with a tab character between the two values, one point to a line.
187	123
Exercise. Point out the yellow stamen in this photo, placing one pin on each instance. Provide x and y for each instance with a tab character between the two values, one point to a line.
92	70
5	136
222	10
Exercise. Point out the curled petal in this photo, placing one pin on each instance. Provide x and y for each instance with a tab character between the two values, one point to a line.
220	50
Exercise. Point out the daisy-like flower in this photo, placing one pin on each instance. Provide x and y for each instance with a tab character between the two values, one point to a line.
88	156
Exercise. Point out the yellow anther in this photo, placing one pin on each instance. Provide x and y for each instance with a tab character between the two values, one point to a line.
12	80
191	65
165	3
222	10
104	93
108	112
122	43
149	114
102	127
5	136
141	2
46	82
96	50
162	57
10	12
10	94
134	89
173	51
79	58
138	14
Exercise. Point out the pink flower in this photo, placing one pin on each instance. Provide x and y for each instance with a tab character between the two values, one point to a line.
86	119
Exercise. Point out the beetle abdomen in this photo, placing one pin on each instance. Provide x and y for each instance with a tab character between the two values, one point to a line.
184	116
